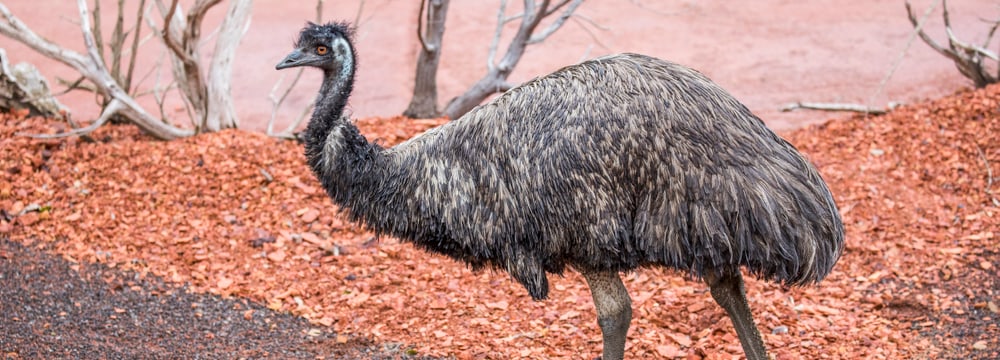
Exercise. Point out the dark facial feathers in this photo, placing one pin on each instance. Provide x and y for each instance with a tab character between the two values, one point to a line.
324	34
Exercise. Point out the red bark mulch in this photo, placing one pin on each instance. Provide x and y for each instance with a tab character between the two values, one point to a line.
240	215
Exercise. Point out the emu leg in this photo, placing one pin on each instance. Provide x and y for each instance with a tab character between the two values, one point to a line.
728	291
614	310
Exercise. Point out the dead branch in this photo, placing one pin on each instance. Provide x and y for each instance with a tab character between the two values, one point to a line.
92	68
967	58
491	54
834	107
420	26
497	71
555	25
137	28
113	108
988	188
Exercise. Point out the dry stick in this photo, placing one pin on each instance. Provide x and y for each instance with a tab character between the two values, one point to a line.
492	52
557	23
988	189
953	40
833	107
113	108
156	67
117	41
968	61
420	26
96	28
137	29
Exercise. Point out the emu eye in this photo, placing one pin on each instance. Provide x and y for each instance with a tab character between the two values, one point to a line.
321	50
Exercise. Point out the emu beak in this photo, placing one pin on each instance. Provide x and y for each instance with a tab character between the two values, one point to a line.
295	58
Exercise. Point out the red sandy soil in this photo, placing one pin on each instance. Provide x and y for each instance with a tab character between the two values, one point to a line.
768	53
239	214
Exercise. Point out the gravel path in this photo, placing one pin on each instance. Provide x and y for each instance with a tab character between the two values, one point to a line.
52	308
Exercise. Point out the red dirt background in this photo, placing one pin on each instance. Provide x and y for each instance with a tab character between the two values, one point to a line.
239	214
768	53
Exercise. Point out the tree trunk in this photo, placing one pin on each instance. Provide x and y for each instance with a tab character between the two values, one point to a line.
221	113
423	104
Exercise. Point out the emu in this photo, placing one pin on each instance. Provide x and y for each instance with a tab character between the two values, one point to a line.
607	166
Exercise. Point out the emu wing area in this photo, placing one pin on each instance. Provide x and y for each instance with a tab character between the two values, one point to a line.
621	162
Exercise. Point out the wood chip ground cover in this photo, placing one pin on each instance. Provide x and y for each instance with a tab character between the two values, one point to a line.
238	214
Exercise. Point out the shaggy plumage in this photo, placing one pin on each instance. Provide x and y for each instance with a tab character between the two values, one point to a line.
613	164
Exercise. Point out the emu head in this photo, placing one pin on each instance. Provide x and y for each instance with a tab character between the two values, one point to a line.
327	47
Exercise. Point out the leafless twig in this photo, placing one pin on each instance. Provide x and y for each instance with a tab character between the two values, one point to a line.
968	58
113	108
420	26
557	23
492	52
988	189
834	107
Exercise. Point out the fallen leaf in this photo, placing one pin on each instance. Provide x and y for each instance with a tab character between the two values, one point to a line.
502	305
669	351
277	256
73	217
696	307
224	283
325	321
681	339
310	215
358	299
569	315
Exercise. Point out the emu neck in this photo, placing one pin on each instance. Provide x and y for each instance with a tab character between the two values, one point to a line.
342	159
329	109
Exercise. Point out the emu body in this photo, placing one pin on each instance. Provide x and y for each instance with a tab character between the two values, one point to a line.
610	165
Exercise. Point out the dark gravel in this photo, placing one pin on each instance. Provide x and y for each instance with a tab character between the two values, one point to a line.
49	310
